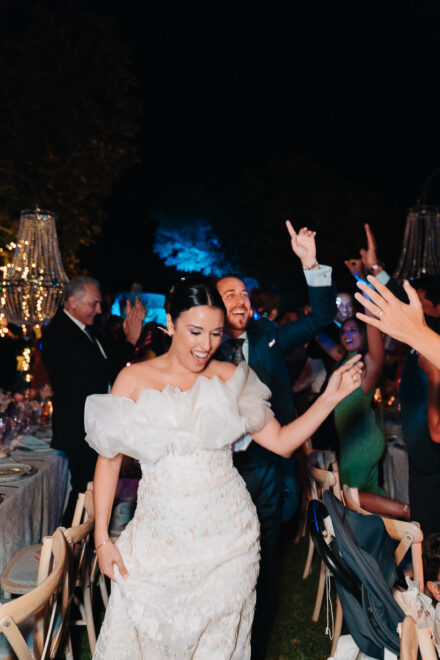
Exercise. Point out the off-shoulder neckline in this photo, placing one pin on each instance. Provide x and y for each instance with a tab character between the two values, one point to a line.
200	378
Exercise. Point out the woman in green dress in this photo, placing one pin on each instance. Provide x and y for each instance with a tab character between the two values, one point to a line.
361	441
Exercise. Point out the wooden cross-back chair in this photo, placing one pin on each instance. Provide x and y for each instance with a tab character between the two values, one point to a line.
21	573
41	608
80	558
81	575
409	535
324	474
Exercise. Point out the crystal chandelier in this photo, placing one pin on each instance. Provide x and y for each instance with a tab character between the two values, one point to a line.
33	282
421	243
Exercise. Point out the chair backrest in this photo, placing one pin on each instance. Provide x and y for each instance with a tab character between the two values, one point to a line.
408	534
42	602
324	473
78	561
83	503
84	511
367	550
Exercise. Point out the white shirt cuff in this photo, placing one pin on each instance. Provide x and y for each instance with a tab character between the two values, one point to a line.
321	276
242	443
383	277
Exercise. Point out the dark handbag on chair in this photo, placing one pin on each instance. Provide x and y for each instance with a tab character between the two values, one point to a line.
361	558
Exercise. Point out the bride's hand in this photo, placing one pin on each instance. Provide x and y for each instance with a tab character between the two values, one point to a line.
109	555
345	379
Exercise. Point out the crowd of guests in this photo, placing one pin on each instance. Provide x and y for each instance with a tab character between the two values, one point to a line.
294	351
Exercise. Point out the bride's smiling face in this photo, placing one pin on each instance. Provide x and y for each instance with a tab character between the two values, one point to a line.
196	335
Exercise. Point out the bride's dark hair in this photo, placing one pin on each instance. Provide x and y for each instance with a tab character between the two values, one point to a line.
193	292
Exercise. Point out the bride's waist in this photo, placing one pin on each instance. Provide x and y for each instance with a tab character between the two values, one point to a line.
201	470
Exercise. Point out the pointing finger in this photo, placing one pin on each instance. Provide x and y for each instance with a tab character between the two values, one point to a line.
290	229
370	238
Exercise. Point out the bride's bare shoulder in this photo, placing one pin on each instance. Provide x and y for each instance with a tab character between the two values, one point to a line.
224	370
135	377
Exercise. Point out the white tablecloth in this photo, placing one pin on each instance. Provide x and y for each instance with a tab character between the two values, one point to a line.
32	507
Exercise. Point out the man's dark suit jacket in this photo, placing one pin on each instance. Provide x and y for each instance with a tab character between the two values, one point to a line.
269	343
77	368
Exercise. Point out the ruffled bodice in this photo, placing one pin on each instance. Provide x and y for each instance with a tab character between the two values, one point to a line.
211	415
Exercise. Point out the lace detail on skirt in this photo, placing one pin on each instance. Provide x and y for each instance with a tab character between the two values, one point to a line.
192	554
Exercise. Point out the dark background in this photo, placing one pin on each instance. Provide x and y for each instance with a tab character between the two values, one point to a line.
324	113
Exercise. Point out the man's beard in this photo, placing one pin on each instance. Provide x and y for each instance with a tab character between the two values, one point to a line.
237	322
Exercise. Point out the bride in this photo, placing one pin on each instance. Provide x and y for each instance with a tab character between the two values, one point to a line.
185	567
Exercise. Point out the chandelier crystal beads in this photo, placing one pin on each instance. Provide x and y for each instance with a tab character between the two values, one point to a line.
33	282
421	244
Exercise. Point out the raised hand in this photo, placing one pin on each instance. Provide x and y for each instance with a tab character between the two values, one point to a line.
346	379
109	555
369	256
303	245
134	319
389	314
361	267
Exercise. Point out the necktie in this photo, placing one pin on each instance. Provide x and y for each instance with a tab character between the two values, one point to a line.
237	355
88	330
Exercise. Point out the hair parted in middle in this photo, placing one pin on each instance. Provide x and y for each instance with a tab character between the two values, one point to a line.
193	291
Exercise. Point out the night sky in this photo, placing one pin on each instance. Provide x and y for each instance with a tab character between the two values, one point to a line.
353	87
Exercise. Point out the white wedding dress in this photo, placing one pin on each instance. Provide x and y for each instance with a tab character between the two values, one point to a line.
192	548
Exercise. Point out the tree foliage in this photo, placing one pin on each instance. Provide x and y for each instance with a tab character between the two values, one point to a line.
190	246
67	118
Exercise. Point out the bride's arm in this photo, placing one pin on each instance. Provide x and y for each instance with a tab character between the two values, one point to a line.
104	489
284	440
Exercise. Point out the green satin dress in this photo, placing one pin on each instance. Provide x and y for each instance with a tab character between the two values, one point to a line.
361	442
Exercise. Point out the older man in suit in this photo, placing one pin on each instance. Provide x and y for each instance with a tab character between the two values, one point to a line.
79	363
263	345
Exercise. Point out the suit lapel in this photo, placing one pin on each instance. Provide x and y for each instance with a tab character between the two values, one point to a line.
81	339
256	344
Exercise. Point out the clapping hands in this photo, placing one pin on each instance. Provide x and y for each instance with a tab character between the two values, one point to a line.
303	245
134	319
